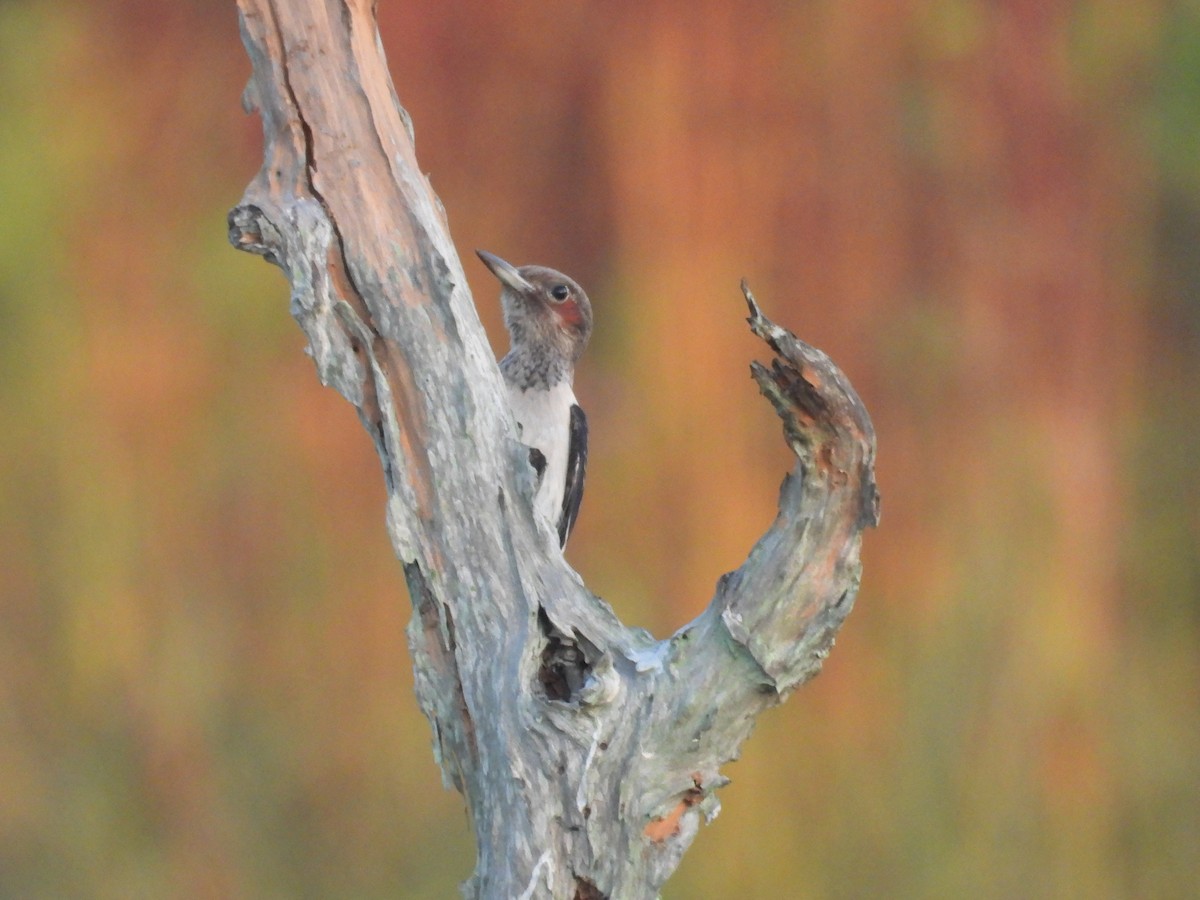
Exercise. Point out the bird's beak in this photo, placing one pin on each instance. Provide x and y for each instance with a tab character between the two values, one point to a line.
507	273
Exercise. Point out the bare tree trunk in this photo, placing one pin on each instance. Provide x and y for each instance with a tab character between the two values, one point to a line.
587	752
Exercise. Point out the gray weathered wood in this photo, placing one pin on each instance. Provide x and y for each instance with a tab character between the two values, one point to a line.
588	752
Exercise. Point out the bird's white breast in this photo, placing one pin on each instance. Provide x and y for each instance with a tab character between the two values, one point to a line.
544	417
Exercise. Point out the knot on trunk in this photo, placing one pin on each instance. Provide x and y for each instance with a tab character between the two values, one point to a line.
573	669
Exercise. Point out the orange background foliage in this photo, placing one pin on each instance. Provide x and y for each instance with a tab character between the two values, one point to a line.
987	212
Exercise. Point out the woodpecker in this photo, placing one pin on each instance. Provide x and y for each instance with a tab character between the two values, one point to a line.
549	321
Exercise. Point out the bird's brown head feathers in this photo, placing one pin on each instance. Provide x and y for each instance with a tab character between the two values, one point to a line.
544	310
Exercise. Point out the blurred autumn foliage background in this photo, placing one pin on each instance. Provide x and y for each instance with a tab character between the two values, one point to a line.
987	212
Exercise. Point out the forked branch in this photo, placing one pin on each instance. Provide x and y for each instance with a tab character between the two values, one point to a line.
587	751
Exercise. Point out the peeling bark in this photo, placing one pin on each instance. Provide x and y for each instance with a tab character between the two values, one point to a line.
588	752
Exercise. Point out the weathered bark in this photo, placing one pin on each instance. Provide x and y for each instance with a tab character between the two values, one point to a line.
587	751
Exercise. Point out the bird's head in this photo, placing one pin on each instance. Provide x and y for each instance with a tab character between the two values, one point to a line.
543	309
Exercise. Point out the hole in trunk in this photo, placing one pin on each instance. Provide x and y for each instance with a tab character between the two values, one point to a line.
565	667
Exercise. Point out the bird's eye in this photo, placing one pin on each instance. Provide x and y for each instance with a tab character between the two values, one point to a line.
560	292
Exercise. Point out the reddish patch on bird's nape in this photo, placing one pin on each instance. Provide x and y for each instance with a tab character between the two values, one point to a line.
568	312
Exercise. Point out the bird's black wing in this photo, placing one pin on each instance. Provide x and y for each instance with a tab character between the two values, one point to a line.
576	469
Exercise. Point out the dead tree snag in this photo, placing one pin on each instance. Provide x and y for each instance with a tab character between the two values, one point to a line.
587	751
